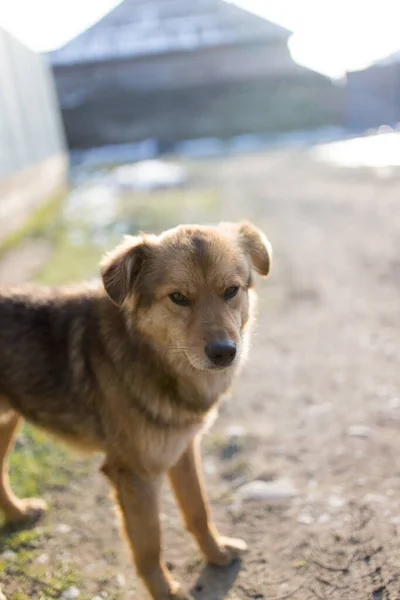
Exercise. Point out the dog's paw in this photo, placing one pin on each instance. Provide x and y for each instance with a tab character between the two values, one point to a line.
29	509
177	593
229	549
181	595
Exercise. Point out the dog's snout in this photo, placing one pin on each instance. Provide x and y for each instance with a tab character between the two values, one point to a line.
221	353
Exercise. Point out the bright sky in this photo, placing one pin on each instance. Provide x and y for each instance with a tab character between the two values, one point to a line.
45	25
335	36
329	36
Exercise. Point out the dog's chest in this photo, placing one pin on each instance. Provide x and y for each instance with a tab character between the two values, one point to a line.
164	448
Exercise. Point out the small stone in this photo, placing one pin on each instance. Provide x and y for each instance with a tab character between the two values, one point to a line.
235	431
2	596
280	489
86	517
63	528
336	502
319	409
375	499
90	568
395	520
236	509
121	581
394	403
20	441
305	519
42	559
209	467
97	598
71	593
9	555
313	491
359	431
324	518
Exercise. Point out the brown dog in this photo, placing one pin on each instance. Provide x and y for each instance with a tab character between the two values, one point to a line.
134	372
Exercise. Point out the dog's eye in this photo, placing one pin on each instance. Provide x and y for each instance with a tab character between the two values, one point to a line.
231	292
179	298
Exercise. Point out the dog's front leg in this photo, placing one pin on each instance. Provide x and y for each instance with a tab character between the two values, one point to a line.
186	481
138	499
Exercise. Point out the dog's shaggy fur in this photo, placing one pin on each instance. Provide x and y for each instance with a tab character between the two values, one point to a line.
134	369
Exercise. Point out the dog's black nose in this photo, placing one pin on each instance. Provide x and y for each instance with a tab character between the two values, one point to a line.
221	353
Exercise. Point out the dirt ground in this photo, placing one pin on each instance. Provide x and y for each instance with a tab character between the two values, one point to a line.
318	405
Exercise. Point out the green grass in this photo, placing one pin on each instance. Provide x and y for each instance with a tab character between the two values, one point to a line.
37	225
20	539
38	464
77	249
70	264
23	576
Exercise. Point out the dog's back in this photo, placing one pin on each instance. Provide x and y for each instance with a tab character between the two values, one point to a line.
44	362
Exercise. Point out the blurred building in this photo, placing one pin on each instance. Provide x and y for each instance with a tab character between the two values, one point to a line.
33	158
373	95
174	69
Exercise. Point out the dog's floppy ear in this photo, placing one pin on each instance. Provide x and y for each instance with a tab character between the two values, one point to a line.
121	267
257	246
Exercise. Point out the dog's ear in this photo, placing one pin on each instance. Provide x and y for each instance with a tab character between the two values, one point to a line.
121	267
257	246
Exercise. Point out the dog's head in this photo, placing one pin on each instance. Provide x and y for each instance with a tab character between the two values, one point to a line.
190	289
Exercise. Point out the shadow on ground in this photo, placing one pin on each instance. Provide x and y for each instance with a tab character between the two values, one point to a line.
216	580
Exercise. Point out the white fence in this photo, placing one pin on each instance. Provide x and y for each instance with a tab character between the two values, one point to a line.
30	123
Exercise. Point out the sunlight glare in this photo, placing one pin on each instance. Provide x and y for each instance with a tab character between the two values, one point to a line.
334	36
45	25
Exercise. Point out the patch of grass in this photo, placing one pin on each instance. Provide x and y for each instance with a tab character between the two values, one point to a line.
16	539
37	224
61	578
23	577
41	582
24	543
79	244
167	205
70	264
38	463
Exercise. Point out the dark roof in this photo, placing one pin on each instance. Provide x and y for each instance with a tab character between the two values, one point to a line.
143	27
